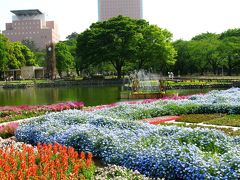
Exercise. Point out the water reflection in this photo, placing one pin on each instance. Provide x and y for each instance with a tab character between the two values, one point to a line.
91	96
32	96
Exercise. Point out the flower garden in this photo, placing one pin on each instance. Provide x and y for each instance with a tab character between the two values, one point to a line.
116	136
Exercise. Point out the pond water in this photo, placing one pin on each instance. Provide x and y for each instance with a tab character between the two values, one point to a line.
91	96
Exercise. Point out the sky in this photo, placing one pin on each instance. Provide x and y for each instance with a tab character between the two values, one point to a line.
183	18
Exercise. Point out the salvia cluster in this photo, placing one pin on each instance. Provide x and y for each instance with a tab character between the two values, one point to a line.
45	162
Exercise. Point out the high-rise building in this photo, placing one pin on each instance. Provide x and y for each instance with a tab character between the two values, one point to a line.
112	8
31	25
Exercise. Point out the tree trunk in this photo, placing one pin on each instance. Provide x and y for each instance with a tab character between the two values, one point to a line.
229	66
119	72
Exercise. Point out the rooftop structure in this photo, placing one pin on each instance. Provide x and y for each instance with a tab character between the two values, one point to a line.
112	8
31	25
30	12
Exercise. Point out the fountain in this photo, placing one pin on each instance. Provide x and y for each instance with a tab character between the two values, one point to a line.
144	85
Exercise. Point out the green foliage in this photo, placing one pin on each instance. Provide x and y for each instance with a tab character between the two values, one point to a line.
64	58
3	52
154	48
125	42
230	33
72	36
20	55
14	55
217	53
206	36
184	63
30	44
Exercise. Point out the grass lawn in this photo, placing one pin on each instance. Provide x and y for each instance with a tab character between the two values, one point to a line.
227	131
215	119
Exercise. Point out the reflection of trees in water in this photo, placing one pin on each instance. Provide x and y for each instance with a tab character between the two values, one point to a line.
39	96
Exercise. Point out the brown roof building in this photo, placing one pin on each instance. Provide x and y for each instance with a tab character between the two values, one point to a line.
31	25
112	8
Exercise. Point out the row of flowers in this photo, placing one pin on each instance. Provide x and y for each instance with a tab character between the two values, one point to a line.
11	113
225	101
155	151
51	107
45	162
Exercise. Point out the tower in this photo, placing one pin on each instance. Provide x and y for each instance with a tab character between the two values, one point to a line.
112	8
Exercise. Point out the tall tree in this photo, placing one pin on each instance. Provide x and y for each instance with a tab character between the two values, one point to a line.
20	55
64	59
123	41
154	48
4	43
230	49
184	63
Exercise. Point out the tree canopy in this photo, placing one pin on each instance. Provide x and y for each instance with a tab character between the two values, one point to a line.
14	55
123	41
210	52
64	59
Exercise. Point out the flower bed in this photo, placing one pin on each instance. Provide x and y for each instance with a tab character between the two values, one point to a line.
11	113
166	152
8	130
45	162
161	119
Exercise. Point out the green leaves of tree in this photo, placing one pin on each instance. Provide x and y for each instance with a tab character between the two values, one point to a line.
125	42
65	60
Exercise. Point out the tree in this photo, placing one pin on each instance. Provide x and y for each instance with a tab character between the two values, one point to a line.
30	44
184	63
4	43
123	41
230	53
154	47
20	55
206	36
71	44
64	59
72	36
230	49
205	54
230	33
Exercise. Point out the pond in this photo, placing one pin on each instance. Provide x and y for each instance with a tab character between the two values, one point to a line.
91	96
